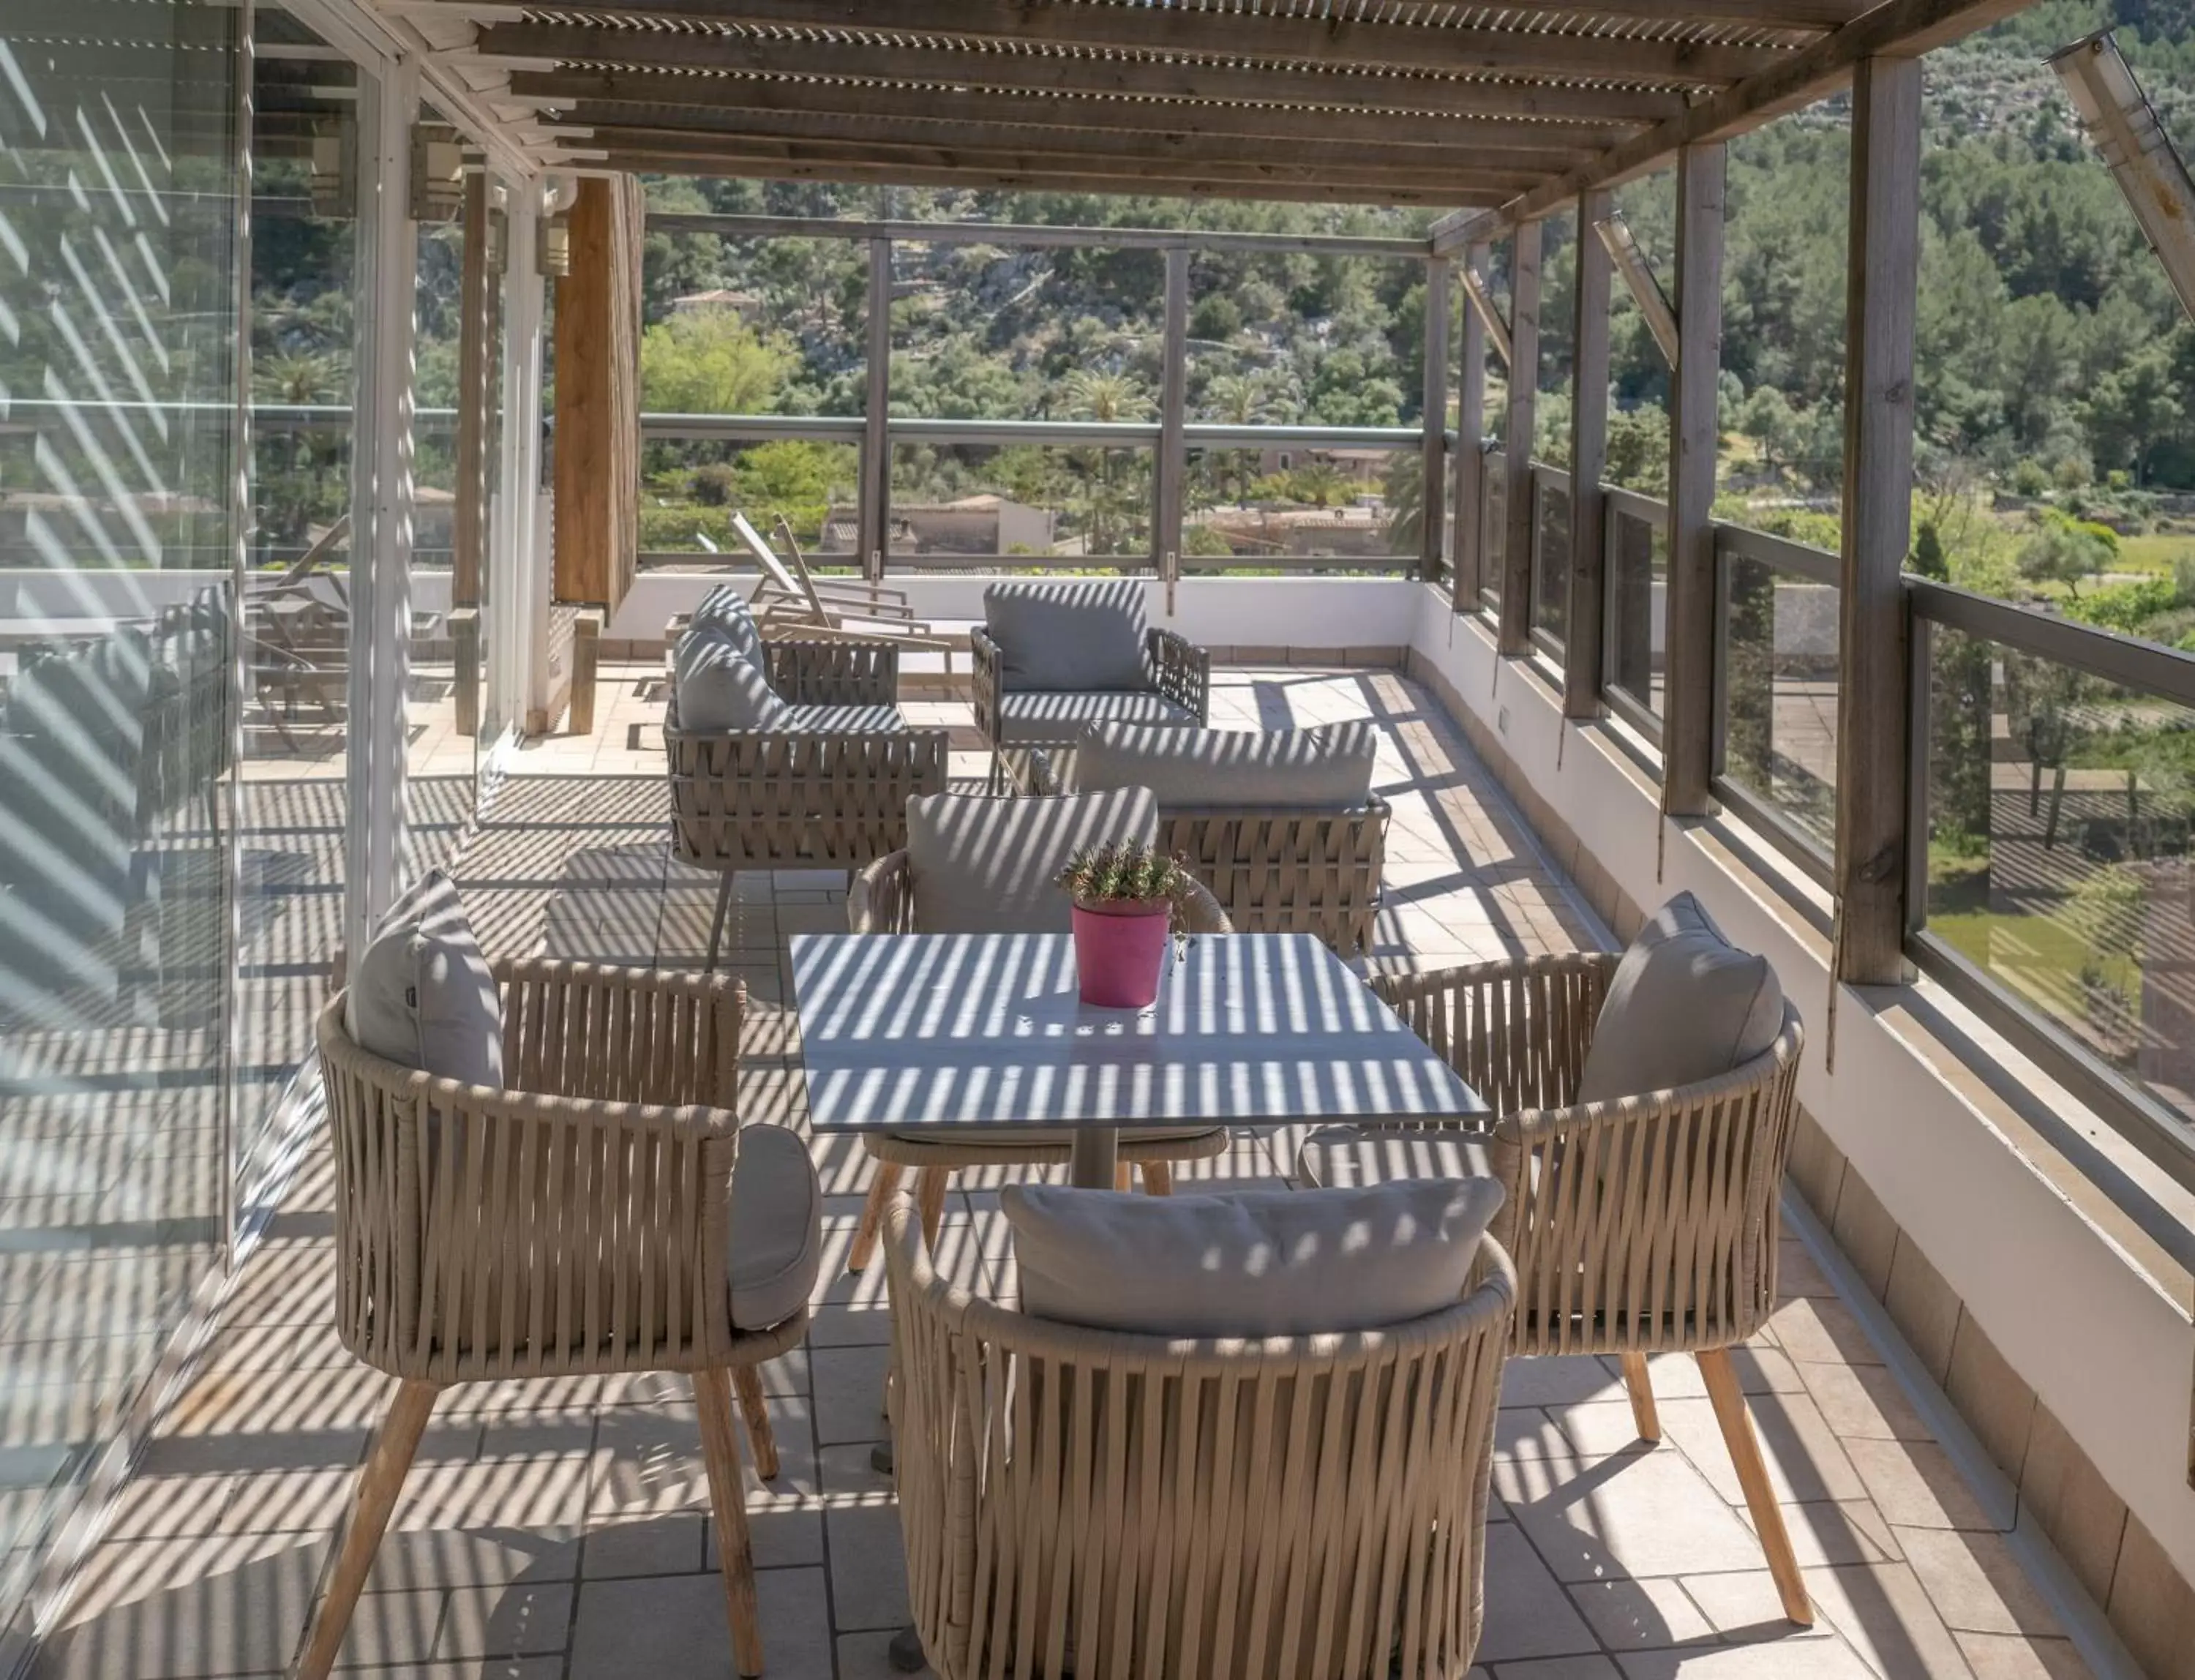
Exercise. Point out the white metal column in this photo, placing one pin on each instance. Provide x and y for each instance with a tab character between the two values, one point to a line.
382	500
519	600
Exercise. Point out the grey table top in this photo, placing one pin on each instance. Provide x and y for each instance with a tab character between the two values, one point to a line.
901	1031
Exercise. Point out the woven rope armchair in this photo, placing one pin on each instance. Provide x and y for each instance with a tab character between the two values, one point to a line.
882	901
1311	1507
1178	689
1274	871
824	798
577	1223
1647	1224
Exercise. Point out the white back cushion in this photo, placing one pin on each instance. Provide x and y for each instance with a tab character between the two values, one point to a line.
1326	768
1686	1005
1254	1263
421	993
1068	638
987	865
725	610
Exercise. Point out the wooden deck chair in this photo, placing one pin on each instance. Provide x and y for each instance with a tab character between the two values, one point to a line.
789	596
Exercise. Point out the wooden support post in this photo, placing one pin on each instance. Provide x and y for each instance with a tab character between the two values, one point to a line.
1519	507
586	662
1688	702
1874	695
1470	451
1433	477
875	516
1582	647
1172	463
598	395
465	624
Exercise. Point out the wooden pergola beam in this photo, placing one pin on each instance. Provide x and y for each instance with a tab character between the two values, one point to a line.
1898	29
739	101
1329	42
1424	165
581	44
844	173
1280	167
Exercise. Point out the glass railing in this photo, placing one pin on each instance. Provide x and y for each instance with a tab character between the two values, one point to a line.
1636	577
1551	557
1776	689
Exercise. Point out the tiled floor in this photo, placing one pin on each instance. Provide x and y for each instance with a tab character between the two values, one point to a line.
554	1531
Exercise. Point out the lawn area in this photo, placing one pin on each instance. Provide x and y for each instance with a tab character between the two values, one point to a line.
2155	552
2040	956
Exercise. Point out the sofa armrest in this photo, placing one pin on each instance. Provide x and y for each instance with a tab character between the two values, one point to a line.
1181	671
880	899
834	670
985	684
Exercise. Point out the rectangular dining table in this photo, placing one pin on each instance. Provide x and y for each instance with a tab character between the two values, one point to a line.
907	1032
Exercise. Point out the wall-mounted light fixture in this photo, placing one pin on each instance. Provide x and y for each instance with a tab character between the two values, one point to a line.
1630	262
2138	153
438	173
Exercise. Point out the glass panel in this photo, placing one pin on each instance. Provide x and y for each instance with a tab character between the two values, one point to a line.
2060	810
691	488
479	461
1284	339
1281	507
751	326
1550	558
306	202
964	503
1780	692
118	369
1637	605
1494	527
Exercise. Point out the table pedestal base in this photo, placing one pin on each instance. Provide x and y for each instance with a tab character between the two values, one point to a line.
1093	1157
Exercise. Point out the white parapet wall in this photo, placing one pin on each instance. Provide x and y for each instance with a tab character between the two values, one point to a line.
2096	1323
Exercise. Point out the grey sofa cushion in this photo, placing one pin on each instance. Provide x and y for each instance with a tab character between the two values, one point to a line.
421	994
845	720
777	1228
1352	1157
1251	1264
987	865
1328	768
1686	1005
1044	718
1068	638
719	688
725	610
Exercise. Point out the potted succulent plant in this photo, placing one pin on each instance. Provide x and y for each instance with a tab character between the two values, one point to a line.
1124	897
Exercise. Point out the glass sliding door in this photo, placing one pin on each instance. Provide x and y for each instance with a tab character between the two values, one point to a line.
120	153
311	186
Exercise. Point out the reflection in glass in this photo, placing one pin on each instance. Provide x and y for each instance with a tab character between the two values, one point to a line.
1779	692
955	504
119	161
2059	813
1551	557
1493	526
691	488
1274	508
1637	607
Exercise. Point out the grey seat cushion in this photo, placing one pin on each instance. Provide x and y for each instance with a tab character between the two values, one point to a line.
1064	717
1328	768
777	1228
1352	1157
1686	1005
421	994
845	720
1068	638
984	865
725	611
719	688
1254	1263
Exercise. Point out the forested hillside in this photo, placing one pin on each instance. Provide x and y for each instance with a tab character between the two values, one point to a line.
2054	357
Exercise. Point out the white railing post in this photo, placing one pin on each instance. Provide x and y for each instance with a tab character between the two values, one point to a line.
1432	474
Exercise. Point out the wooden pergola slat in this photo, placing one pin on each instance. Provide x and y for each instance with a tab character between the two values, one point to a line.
1579	44
730	99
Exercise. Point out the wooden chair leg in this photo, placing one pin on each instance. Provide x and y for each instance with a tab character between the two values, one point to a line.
1640	1387
747	1381
379	1482
728	1497
1124	1175
717	922
1158	1178
881	1188
931	1184
1753	1477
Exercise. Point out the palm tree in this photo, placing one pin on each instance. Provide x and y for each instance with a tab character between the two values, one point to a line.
1108	399
1404	488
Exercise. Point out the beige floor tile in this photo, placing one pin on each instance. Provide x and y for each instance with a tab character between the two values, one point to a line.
521	1619
1863	1401
868	1568
1998	1656
1915	1485
1527	1614
677	1625
1800	1660
1629	1615
1633	1515
1845	1531
1977	1585
1886	1613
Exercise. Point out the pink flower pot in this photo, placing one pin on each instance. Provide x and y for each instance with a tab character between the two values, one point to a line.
1119	954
